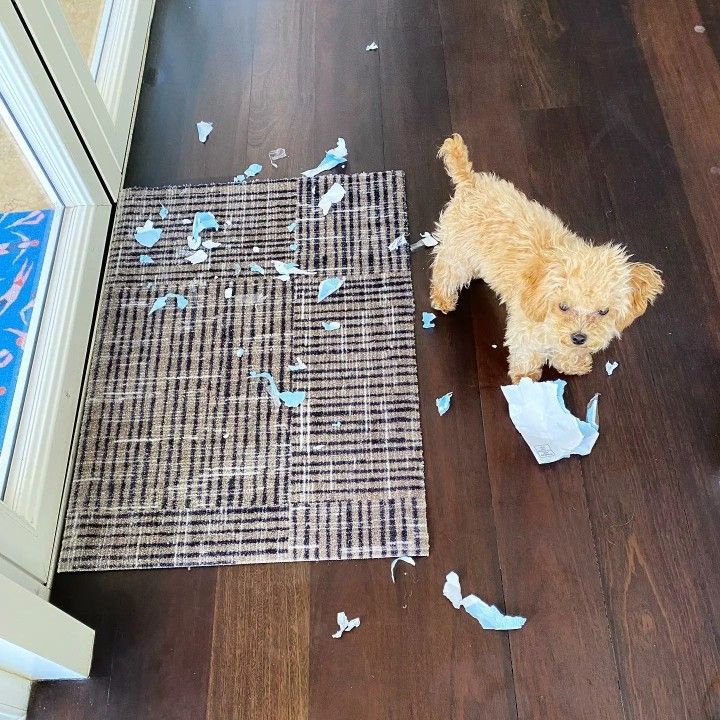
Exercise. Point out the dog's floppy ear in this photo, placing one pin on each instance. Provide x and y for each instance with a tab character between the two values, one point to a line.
538	290
645	285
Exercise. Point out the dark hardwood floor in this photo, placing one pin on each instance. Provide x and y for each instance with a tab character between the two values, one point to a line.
608	112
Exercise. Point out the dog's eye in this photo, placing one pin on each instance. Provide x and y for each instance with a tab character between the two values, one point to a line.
604	312
564	307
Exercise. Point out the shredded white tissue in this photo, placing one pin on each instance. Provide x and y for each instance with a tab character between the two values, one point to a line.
163	212
345	625
239	178
146	260
256	249
397	243
210	244
277	154
291	226
333	158
147	235
332	197
489	617
552	432
443	403
404	558
494	346
292	247
204	129
239	352
199	256
610	367
372	46
186	221
329	286
229	293
699	28
426	240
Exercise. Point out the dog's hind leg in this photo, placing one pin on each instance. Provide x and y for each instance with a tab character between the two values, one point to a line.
449	276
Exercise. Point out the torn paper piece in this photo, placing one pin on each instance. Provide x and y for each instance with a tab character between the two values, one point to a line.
253	170
288	398
428	320
330	326
186	221
372	46
337	424
332	197
397	243
493	346
333	158
203	221
204	129
426	240
229	292
699	29
239	178
297	366
285	269
146	260
277	154
489	617
291	226
451	589
256	249
210	244
293	247
610	367
163	212
538	411
147	235
345	625
239	352
199	256
180	300
254	267
404	558
328	286
443	403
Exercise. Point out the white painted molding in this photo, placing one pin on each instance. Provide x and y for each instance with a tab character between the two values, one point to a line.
38	641
37	478
14	696
38	112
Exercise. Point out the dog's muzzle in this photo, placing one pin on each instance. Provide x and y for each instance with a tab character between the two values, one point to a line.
578	338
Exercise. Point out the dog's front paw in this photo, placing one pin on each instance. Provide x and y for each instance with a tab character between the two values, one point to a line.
517	375
573	364
442	302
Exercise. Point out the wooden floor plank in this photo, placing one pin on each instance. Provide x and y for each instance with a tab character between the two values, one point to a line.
152	647
651	481
198	67
689	101
545	541
260	644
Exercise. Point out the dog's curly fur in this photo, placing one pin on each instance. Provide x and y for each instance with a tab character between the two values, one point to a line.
557	287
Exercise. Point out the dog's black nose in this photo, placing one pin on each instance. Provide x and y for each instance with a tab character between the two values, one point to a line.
579	338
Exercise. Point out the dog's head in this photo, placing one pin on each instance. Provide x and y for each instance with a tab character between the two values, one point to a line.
587	297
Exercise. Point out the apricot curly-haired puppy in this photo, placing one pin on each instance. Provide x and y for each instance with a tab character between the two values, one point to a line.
566	298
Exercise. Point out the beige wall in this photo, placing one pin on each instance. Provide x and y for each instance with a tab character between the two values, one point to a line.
84	17
19	188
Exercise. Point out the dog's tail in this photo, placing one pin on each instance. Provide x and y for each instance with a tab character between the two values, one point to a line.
454	154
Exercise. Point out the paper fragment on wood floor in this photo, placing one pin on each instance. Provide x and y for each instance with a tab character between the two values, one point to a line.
204	129
333	158
345	625
405	558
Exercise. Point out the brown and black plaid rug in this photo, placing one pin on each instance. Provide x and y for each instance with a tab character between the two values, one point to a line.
182	458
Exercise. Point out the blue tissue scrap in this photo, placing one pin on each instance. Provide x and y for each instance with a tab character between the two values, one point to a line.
161	302
147	235
163	212
428	320
331	325
287	398
203	221
329	286
146	260
443	403
254	267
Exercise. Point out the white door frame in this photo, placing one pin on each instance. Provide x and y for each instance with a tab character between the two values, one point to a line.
30	512
102	105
